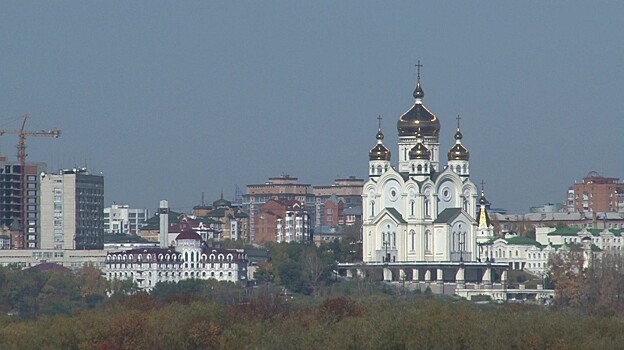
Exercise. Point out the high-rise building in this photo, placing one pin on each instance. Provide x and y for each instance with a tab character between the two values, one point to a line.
282	221
347	190
596	194
282	188
121	219
12	210
72	210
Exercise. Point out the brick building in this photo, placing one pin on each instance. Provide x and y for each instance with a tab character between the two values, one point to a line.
282	187
596	194
282	221
348	190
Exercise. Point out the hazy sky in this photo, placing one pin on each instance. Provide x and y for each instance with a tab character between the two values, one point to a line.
171	99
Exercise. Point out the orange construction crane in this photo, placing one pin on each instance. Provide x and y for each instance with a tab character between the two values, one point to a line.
21	156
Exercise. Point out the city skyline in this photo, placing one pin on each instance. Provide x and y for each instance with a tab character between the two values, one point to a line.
172	100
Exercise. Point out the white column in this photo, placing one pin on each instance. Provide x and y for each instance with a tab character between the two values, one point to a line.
459	278
387	274
487	277
163	214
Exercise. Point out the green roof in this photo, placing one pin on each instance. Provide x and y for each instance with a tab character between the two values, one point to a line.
397	216
447	215
522	241
594	231
564	232
617	232
123	238
153	223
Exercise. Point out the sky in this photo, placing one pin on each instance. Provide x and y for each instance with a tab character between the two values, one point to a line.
171	99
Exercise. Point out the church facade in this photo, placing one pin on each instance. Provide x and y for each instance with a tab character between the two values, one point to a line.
419	210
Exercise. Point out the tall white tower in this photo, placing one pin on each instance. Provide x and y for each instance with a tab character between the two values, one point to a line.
163	214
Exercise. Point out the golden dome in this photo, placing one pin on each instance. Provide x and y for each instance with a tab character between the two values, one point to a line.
458	152
418	117
420	151
379	152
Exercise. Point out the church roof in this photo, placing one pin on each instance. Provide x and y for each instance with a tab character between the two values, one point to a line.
448	215
396	215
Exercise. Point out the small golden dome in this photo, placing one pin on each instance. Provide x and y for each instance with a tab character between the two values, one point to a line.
420	151
379	152
458	151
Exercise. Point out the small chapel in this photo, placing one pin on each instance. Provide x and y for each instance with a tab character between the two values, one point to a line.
419	209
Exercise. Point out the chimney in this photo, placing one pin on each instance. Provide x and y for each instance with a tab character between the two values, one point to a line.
163	214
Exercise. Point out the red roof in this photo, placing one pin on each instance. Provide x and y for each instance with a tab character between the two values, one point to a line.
189	234
45	267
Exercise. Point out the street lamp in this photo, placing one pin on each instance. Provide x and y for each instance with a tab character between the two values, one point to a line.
386	244
462	242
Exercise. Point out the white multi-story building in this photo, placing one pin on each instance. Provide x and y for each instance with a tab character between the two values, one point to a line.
121	219
189	257
72	210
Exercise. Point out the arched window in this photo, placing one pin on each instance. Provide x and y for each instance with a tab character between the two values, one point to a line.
426	168
413	237
379	169
412	207
186	256
229	257
465	169
419	169
427	207
372	204
428	242
458	169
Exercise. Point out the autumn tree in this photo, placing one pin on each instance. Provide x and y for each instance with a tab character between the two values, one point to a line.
568	275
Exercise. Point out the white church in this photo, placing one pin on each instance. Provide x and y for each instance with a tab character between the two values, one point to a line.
424	223
421	210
